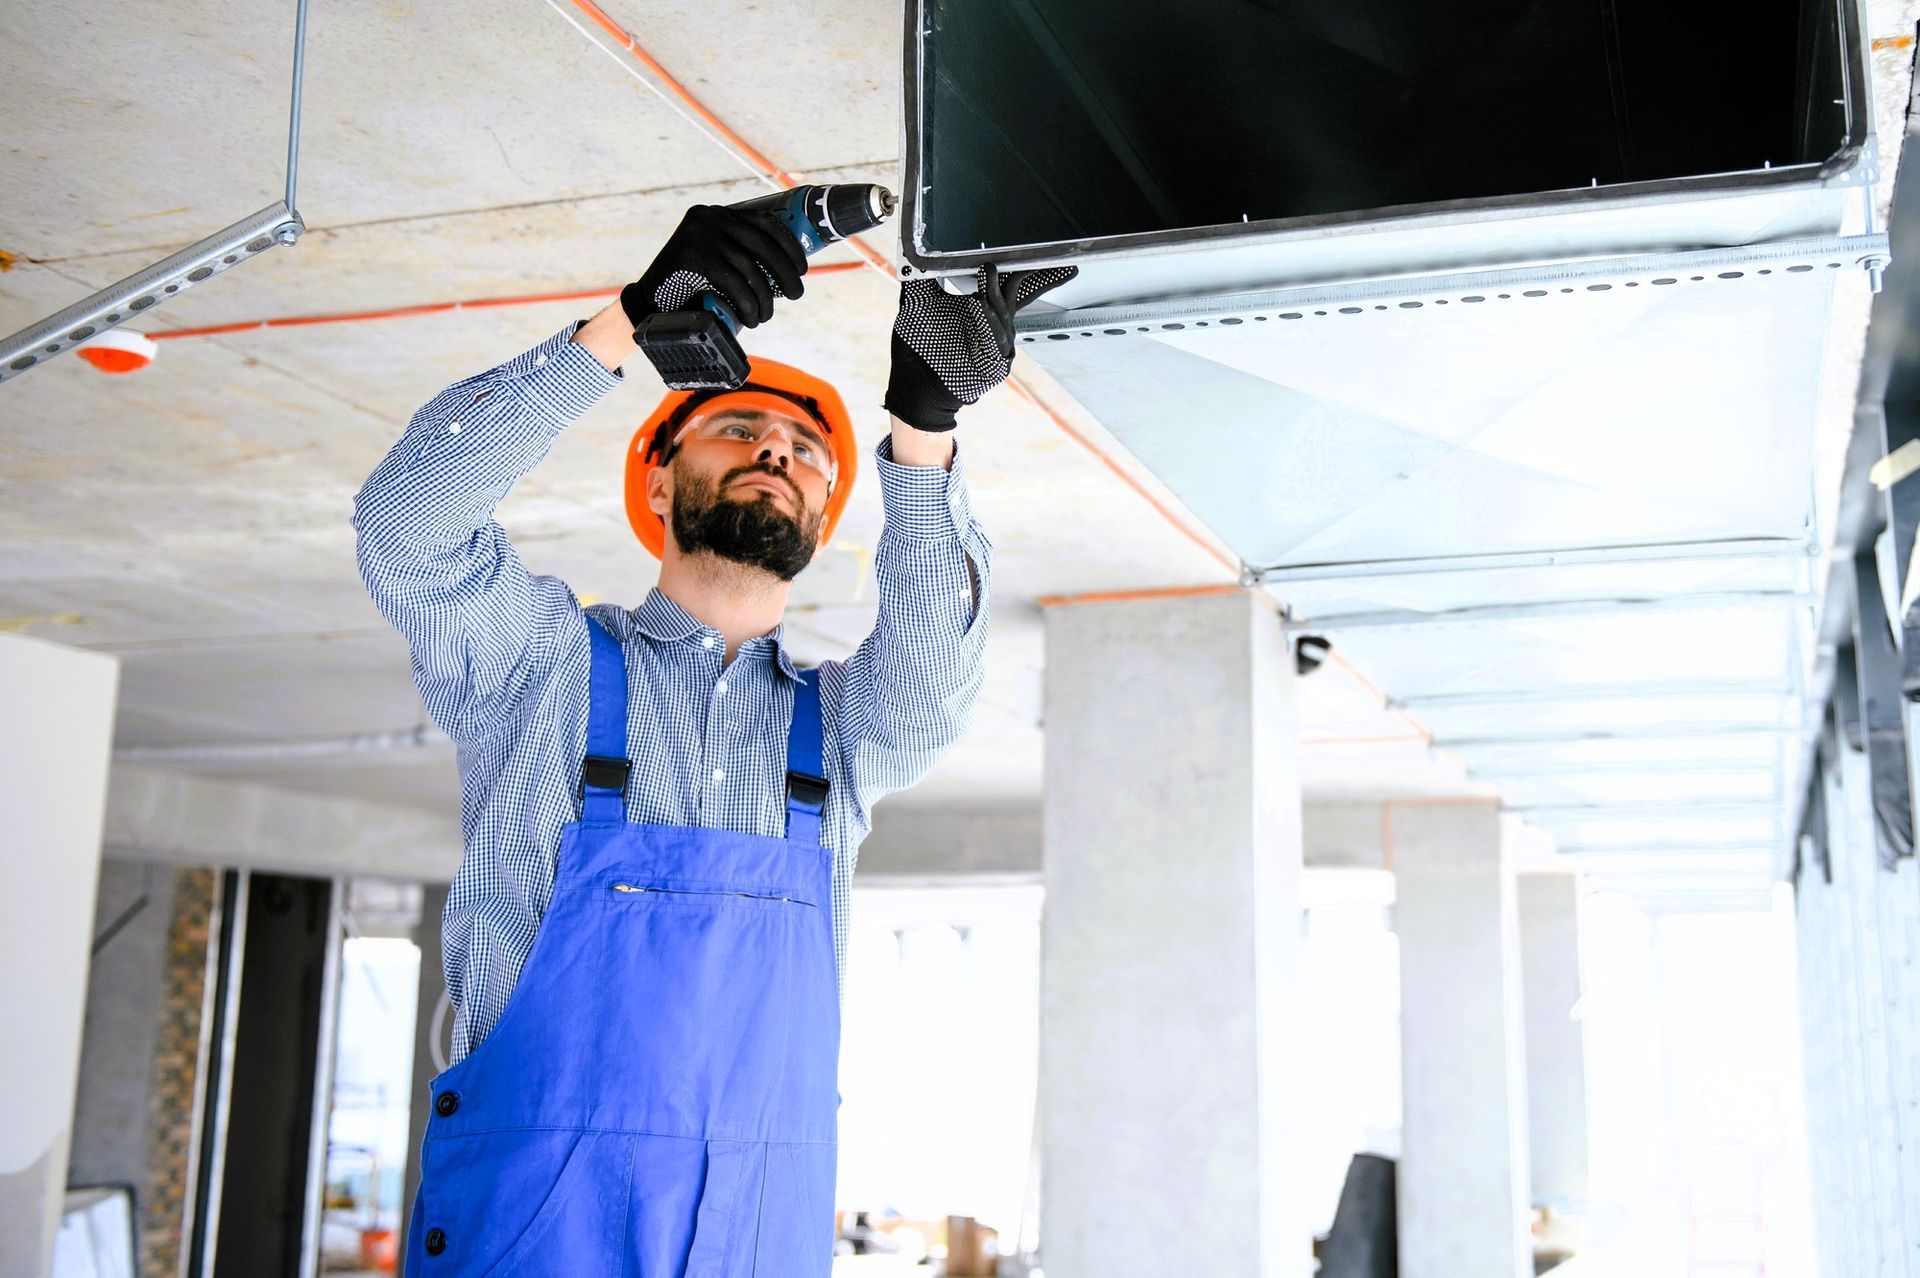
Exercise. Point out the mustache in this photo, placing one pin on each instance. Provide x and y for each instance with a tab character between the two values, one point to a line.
772	472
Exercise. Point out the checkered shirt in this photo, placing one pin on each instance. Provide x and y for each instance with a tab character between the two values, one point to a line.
501	657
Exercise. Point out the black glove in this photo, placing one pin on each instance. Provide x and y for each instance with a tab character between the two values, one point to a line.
948	351
748	259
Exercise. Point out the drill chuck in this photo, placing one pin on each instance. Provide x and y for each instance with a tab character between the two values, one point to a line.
848	208
822	215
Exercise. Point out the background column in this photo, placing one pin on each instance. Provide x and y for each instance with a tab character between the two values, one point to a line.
1463	1185
1172	962
1556	1042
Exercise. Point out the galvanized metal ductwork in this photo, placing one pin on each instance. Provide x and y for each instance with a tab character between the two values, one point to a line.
1494	339
1085	130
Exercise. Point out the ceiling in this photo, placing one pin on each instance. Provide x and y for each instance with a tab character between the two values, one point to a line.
192	518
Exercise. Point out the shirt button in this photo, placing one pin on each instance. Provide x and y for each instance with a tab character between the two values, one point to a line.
447	1103
538	360
436	1241
453	428
719	774
721	687
707	642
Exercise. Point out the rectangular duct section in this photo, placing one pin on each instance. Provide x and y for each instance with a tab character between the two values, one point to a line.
1043	130
1499	340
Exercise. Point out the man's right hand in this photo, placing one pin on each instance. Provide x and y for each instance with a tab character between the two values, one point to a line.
748	259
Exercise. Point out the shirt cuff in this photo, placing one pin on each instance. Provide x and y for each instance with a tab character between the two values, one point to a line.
559	377
923	503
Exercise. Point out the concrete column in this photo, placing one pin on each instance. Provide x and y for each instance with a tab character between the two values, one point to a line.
1556	1043
57	707
1463	1185
1172	1088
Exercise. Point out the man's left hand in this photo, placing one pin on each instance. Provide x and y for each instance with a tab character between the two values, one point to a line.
950	350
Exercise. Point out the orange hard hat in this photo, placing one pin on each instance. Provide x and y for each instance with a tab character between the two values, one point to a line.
653	442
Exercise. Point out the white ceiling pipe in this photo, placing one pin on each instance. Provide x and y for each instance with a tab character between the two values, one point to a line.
273	751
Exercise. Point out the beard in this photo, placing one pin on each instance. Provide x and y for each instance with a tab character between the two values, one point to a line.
753	532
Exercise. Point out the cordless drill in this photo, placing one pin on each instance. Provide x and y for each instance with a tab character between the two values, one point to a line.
697	347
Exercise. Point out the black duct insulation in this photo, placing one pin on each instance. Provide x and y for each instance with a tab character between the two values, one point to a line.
1060	120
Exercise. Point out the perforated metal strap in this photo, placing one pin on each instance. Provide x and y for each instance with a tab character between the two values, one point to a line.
603	776
806	769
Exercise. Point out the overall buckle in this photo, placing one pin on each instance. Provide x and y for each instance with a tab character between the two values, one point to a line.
808	790
602	773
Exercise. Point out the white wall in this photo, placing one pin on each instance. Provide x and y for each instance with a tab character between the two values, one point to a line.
56	730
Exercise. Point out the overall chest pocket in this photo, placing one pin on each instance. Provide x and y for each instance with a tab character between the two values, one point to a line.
703	996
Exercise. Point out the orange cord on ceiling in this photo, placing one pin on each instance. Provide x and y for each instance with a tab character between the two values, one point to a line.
1135	596
758	160
679	91
753	156
672	87
435	308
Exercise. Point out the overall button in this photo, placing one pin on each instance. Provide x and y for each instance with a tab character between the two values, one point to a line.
446	1104
436	1241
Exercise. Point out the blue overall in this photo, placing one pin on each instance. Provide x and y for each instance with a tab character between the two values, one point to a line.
658	1098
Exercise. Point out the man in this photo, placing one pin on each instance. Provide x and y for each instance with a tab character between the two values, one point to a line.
661	812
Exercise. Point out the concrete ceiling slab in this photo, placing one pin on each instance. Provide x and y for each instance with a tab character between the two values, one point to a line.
192	518
146	128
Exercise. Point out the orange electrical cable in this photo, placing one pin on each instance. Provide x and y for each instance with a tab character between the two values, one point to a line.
759	160
433	308
1136	596
686	98
671	86
747	151
725	132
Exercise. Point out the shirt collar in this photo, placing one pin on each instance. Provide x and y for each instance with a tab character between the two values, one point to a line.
662	619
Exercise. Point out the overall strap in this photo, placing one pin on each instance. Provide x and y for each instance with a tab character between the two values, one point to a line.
603	777
806	772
